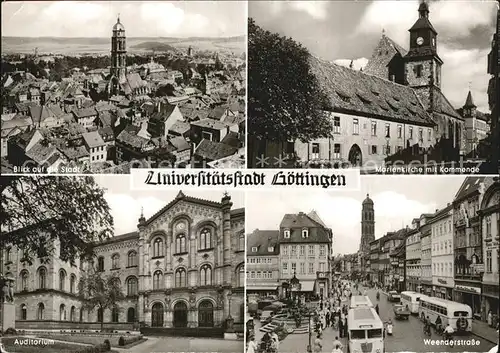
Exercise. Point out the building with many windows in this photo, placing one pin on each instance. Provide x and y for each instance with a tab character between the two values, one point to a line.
183	267
413	258
442	259
425	250
262	262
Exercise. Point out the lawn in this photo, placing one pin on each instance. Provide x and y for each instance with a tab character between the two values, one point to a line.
57	347
94	340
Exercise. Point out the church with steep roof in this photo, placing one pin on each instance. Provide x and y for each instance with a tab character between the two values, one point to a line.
395	104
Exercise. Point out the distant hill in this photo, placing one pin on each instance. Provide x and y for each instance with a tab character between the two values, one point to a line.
156	46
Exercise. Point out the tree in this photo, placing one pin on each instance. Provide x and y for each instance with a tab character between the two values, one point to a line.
285	101
37	211
101	292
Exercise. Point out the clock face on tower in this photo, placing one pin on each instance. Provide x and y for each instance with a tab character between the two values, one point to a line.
420	40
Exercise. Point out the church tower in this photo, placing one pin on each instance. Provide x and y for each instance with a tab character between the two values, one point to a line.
367	225
422	63
118	56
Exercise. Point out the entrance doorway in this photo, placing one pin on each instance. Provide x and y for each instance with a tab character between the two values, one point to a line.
157	315
355	156
180	314
206	314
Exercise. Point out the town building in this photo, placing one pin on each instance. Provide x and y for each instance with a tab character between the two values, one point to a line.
96	146
397	258
476	124
468	246
374	273
182	268
304	255
490	219
388	244
118	57
262	263
425	249
442	254
413	258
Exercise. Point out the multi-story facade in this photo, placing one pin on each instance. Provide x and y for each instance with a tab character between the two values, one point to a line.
367	233
388	244
262	262
442	258
475	123
184	267
374	261
413	258
425	248
398	256
304	254
467	242
490	219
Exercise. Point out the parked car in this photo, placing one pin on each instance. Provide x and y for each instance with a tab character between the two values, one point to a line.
393	296
401	312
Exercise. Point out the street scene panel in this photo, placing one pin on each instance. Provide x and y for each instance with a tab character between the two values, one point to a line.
105	87
373	84
96	264
400	255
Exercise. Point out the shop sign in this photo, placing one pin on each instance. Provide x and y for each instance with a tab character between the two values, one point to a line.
478	267
442	281
468	289
492	245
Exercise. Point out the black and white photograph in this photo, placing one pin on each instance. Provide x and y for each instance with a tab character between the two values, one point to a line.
103	87
374	85
402	265
97	267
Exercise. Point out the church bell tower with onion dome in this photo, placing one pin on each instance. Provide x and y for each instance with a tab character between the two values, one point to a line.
118	56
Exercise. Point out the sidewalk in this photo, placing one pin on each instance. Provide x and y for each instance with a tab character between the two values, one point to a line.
482	330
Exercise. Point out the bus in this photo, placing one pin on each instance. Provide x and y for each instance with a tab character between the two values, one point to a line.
365	331
411	300
360	301
458	315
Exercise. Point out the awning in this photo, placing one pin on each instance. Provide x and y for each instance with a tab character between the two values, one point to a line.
307	286
261	288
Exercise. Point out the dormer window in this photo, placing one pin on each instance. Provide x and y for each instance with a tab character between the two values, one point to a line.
254	249
287	233
270	249
305	233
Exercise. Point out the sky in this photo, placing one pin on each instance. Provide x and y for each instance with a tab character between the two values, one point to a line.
342	31
141	19
126	204
397	201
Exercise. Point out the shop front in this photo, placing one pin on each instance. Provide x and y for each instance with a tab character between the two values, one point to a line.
490	298
427	287
442	288
470	294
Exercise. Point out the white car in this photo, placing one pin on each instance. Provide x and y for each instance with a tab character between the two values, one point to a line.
394	296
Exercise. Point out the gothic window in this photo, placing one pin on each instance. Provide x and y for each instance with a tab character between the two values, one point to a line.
115	261
241	242
132	286
418	70
180	244
114	315
158	247
157	280
240	270
180	278
62	280
72	283
42	278
24	312
72	314
206	275
24	280
100	264
205	239
62	312
99	315
40	312
132	259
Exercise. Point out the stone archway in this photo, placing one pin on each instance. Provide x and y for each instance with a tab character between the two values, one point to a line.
157	315
180	314
355	156
206	314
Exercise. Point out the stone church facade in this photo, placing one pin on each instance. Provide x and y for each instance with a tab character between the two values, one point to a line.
183	267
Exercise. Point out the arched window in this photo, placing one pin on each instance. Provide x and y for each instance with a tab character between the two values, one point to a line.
114	315
205	275
131	315
132	286
241	276
24	280
40	312
115	261
205	239
99	315
62	312
180	278
7	255
158	247
42	278
132	259
81	314
72	283
24	312
180	244
157	280
72	314
241	242
100	264
62	280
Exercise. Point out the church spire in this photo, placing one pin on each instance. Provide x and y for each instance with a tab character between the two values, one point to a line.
423	9
469	102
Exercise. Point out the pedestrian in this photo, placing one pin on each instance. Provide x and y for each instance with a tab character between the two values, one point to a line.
490	316
337	343
341	328
252	346
346	328
327	317
318	344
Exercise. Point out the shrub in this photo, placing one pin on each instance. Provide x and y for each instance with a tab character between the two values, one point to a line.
10	331
121	341
107	345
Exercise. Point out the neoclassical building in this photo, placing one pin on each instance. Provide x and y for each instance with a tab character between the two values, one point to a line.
183	267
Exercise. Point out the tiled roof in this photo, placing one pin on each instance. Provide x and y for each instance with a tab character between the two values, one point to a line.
315	217
180	143
132	140
40	153
295	222
85	113
214	150
356	92
441	105
382	54
180	127
423	23
232	139
121	237
75	153
469	186
210	123
93	139
469	102
262	240
164	113
217	113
